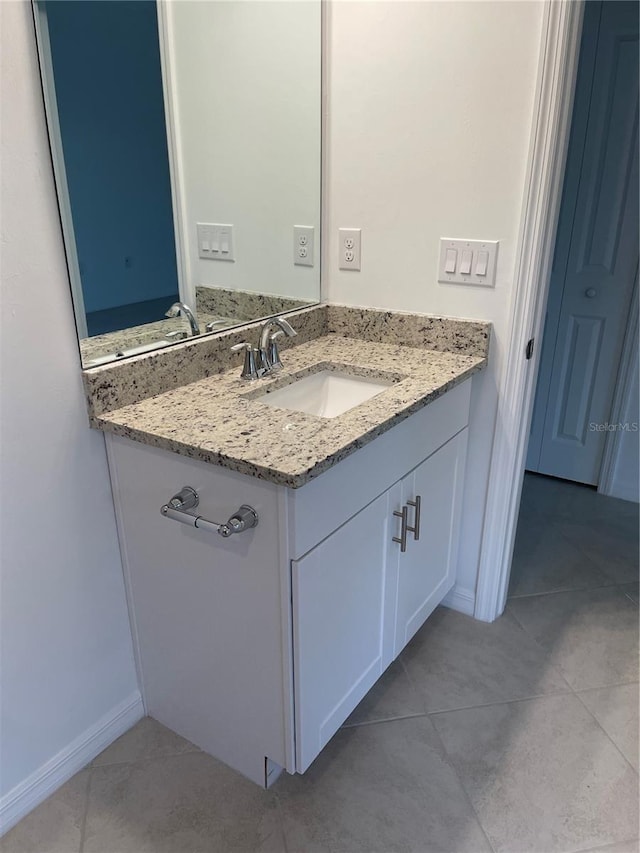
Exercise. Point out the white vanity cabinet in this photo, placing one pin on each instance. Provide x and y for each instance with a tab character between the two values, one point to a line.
257	647
426	571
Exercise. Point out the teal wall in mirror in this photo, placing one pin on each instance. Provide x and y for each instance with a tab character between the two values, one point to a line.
112	126
172	115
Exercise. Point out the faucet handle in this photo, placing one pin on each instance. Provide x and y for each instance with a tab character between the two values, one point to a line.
273	353
210	327
249	370
177	335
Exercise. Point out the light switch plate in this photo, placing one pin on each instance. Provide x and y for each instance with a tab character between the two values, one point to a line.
304	245
478	261
215	241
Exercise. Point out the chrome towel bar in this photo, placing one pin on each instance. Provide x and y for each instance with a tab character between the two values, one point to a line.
244	518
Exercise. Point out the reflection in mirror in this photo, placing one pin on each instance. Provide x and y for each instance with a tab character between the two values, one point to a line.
185	137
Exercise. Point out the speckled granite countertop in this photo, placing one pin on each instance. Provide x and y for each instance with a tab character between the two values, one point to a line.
106	346
218	419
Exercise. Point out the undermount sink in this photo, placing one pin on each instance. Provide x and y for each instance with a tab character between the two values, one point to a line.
326	393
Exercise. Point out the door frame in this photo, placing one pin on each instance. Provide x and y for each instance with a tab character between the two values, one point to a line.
555	89
628	360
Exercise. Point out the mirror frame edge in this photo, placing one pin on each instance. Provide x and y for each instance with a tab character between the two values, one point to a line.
47	85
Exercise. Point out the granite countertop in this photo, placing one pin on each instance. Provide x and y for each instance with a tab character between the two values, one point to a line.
97	347
219	420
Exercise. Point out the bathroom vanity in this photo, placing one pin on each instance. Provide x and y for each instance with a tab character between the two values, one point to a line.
258	646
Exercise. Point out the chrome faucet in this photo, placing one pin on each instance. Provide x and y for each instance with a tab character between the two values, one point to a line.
266	358
268	355
182	308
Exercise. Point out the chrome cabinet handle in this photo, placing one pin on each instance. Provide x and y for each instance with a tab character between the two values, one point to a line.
590	292
416	527
402	539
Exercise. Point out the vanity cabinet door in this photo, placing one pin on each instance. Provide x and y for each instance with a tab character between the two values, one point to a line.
340	591
426	570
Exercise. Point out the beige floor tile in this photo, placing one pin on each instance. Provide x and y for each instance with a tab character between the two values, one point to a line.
546	561
616	709
188	802
147	739
391	697
384	787
623	847
613	548
590	635
455	662
563	500
55	826
542	775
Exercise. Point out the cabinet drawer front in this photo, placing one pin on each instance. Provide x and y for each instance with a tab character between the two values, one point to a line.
345	489
338	608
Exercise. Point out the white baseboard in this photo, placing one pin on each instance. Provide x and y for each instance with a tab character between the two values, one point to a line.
57	770
460	599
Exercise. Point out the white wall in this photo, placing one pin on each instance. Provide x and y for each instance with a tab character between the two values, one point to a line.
67	664
247	95
430	113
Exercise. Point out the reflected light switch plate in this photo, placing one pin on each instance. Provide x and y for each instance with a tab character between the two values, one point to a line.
215	241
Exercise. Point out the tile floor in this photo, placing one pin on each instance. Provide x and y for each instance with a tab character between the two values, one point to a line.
517	736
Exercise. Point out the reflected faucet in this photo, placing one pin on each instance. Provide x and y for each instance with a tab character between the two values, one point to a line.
183	308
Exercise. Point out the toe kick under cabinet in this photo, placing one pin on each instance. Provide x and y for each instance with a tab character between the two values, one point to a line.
258	646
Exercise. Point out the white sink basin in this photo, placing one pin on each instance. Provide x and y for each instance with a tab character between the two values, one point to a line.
326	393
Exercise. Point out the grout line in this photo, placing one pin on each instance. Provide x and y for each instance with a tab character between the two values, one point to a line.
563	590
384	720
281	821
411	681
602	848
605	686
83	823
463	788
628	595
534	697
602	729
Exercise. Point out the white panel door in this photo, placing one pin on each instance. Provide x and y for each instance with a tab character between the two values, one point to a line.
596	253
340	607
426	571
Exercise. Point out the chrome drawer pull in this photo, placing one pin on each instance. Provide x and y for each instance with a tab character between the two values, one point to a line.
402	539
416	527
245	518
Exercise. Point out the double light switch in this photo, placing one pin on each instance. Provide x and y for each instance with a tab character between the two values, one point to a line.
468	261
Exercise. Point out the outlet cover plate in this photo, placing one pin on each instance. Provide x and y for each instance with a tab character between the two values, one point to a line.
349	248
304	244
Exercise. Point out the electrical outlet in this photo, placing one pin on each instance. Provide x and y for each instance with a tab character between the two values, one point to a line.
303	245
349	248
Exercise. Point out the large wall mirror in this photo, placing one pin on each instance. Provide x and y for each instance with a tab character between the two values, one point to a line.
185	137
